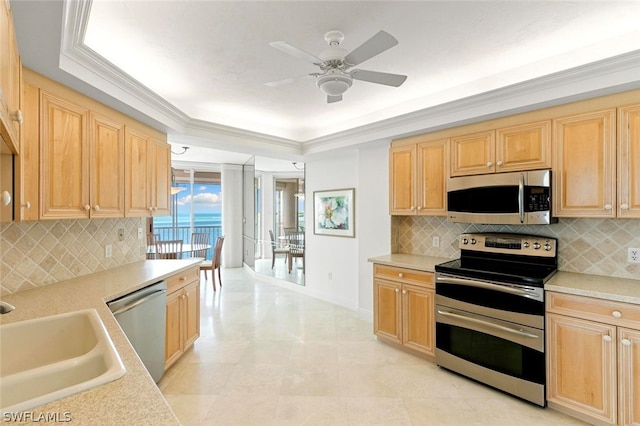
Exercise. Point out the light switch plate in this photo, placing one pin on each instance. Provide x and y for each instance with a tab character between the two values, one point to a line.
633	255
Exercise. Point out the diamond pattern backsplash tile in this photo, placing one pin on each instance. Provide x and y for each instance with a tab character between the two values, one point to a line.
589	246
33	254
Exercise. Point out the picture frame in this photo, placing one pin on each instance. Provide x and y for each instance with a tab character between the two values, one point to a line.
334	212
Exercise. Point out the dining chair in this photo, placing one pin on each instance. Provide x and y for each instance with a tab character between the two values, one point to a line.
277	249
199	239
296	248
213	264
169	249
151	242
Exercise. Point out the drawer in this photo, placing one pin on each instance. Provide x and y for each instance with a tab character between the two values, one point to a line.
412	276
177	281
589	308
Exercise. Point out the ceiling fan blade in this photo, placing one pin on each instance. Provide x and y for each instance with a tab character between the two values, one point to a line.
387	79
332	99
370	48
294	51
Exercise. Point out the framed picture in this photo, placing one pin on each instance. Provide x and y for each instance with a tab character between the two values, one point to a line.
333	212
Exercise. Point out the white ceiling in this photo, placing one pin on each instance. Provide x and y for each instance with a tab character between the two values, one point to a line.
203	64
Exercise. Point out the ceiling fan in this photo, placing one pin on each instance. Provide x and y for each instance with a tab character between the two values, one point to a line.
335	63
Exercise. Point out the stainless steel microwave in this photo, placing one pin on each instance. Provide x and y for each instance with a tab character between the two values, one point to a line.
518	198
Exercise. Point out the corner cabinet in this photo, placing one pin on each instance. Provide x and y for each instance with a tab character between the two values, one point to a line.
183	314
417	178
593	368
403	307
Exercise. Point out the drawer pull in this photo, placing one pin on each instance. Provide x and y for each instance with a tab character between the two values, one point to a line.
404	291
397	290
400	275
606	338
626	342
616	314
183	278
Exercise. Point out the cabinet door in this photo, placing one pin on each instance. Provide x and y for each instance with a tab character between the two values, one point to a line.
64	162
387	305
402	163
524	147
107	167
160	177
136	159
28	164
584	179
191	313
418	318
473	154
629	161
629	376
431	178
173	333
581	367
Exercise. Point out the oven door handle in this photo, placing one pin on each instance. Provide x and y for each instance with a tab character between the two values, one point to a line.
521	197
488	324
481	284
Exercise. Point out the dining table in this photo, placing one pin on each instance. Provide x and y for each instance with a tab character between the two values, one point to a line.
186	248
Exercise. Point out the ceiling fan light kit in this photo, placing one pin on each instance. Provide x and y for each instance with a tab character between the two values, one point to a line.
334	63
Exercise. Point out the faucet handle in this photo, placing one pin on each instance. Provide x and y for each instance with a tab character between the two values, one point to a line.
5	307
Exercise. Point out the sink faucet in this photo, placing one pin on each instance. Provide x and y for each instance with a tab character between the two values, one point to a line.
5	307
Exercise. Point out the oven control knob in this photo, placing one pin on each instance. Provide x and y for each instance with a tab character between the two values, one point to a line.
473	241
525	244
465	241
536	246
547	247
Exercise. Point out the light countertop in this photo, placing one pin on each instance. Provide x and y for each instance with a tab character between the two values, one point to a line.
133	398
609	288
601	287
410	261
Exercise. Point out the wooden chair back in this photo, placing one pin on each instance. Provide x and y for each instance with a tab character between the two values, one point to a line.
199	239
169	249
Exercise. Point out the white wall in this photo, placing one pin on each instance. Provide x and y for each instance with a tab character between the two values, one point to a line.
231	185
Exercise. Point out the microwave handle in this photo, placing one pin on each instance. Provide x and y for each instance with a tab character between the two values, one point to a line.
521	197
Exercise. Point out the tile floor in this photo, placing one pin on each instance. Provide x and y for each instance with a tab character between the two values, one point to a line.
271	356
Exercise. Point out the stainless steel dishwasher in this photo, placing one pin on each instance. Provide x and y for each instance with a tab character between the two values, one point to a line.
142	316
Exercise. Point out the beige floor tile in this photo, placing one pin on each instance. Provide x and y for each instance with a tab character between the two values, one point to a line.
304	379
190	409
255	379
376	411
200	379
243	410
310	411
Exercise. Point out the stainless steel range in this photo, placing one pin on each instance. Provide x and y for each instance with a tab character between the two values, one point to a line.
490	311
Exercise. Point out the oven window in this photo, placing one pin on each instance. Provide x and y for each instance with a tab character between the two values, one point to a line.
491	299
492	352
493	199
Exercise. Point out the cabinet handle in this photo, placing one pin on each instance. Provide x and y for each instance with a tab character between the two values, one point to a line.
419	208
499	163
489	164
626	342
97	208
413	208
397	290
150	208
608	206
27	205
404	291
183	278
624	206
616	314
17	116
6	198
187	294
606	338
87	207
400	275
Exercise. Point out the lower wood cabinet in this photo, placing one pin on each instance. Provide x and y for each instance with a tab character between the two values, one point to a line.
183	314
593	368
403	307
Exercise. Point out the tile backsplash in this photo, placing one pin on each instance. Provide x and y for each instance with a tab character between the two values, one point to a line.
33	254
590	246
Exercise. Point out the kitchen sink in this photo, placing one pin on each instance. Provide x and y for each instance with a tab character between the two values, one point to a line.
48	358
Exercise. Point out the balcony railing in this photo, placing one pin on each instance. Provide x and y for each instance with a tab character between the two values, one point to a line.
184	233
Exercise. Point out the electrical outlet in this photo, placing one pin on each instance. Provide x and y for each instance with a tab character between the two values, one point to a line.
107	250
633	255
436	242
140	233
120	234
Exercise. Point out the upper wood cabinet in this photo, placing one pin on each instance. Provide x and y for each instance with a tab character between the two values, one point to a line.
584	165
147	175
27	189
106	167
417	176
11	115
628	205
508	149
